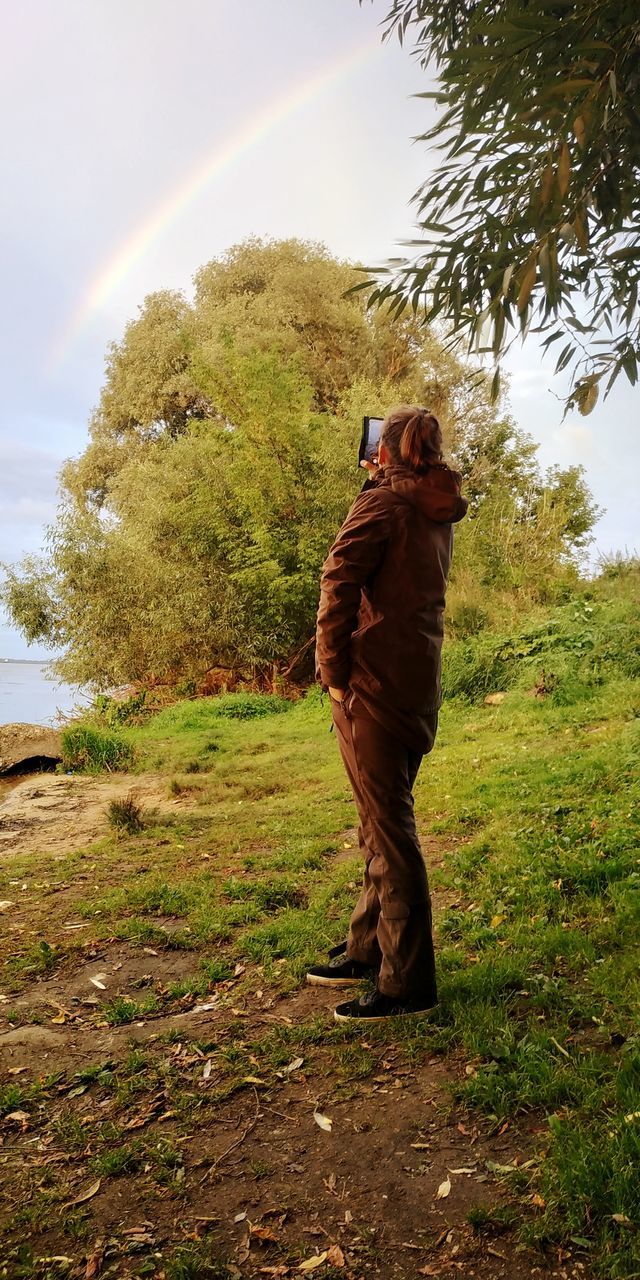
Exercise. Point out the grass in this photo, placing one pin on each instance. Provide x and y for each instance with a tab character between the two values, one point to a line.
126	816
88	749
533	805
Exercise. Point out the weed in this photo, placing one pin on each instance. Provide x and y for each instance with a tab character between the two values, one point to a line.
494	1221
195	1262
121	1010
11	1098
113	1164
125	816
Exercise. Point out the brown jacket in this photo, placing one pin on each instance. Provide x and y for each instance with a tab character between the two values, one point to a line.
380	620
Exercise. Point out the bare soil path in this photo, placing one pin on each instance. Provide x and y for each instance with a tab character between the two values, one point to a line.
139	1146
59	812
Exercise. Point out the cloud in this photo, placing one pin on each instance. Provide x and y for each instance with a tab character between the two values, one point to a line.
28	497
524	383
27	472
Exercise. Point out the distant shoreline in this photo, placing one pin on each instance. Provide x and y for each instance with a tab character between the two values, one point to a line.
22	662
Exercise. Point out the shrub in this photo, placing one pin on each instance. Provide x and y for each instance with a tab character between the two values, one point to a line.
86	749
125	816
127	711
249	706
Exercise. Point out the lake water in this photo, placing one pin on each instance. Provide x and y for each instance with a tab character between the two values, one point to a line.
27	696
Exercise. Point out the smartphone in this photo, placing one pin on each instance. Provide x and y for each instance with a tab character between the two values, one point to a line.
370	442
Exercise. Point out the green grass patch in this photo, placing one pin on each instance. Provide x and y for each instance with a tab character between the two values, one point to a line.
88	749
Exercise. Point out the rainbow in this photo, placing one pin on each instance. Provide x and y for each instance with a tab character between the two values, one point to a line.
215	163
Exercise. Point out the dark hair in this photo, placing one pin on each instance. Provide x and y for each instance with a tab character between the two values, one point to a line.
412	436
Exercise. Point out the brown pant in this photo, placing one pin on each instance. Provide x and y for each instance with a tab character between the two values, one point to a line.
391	924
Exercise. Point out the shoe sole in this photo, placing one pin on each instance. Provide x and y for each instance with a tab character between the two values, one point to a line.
334	982
384	1017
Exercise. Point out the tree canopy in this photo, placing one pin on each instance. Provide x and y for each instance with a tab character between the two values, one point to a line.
531	220
222	460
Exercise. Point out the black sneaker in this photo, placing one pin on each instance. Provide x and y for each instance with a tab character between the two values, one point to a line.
339	950
376	1007
340	972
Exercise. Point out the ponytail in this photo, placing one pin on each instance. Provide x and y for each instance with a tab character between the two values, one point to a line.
412	437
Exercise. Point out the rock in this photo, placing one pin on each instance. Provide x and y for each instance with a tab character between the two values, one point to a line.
494	699
26	748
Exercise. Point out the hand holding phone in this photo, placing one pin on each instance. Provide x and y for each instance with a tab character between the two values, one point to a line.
370	443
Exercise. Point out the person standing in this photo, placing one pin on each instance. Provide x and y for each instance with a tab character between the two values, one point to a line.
378	643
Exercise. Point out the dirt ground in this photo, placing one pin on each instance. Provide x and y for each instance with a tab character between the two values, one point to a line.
57	812
304	1169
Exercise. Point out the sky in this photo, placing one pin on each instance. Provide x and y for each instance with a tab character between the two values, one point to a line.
141	138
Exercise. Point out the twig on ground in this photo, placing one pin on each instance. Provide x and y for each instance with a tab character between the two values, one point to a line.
214	1167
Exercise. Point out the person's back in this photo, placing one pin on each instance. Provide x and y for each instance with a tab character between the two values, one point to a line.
394	648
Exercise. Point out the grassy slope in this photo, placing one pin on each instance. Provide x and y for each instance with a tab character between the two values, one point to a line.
534	803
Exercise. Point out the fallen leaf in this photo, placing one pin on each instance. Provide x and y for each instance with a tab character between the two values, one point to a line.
443	1189
496	920
622	1219
15	1071
204	1008
421	1146
538	1201
97	981
253	1080
471	1169
207	1069
149	951
94	1263
4	906
323	1121
348	1216
560	1048
19	1116
84	1195
312	1264
262	1233
502	1168
240	1217
429	1270
293	1066
335	1256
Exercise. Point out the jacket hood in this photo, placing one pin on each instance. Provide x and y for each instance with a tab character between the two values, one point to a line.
436	493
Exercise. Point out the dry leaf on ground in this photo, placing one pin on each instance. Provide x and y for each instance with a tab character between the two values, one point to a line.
312	1264
323	1121
84	1195
263	1233
335	1256
443	1189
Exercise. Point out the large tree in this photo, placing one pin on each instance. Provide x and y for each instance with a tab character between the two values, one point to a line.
531	218
222	459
